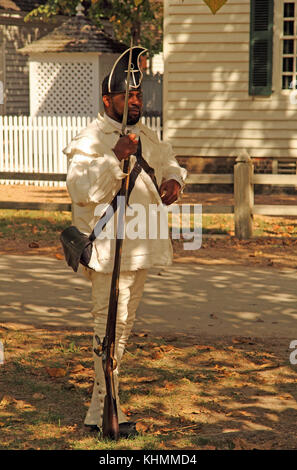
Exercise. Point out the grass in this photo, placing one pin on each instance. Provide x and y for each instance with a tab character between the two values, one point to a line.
25	224
184	391
223	224
47	226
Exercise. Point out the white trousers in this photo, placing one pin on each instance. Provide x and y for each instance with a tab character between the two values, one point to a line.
131	285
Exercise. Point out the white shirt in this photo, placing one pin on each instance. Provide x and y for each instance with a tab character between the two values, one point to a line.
94	177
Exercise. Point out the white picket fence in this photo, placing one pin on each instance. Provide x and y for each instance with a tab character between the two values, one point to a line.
35	144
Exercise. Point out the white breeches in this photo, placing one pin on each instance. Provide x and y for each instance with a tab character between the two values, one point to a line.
130	292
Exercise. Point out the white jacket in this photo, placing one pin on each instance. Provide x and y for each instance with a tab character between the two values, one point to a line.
94	177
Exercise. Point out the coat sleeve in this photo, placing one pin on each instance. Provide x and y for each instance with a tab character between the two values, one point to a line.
170	167
91	179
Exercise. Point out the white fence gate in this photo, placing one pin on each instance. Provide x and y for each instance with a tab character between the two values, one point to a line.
35	144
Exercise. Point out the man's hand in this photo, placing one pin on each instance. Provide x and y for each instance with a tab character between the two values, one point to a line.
169	191
126	146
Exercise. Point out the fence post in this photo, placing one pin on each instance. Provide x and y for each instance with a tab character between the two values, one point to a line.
243	196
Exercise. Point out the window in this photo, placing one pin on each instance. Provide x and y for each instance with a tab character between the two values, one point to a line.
289	44
261	40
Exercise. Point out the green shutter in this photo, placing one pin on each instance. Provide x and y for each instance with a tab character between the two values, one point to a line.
261	43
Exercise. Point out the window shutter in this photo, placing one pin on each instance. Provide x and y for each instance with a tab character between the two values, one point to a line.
261	43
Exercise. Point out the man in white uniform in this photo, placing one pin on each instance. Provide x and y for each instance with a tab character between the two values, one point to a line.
94	177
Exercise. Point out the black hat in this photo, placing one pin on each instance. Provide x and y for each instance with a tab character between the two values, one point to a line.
115	82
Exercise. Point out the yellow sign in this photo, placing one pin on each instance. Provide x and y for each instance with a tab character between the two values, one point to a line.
215	5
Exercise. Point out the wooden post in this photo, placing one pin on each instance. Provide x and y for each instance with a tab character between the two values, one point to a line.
243	196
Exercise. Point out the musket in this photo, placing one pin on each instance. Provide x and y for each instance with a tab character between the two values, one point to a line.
110	425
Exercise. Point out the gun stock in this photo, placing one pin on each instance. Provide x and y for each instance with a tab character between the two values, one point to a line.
110	425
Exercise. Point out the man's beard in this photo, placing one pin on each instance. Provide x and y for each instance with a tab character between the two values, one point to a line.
131	120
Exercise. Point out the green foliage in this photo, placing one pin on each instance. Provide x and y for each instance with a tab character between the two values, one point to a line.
52	8
143	19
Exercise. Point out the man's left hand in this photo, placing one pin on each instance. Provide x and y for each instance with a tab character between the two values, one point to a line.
169	191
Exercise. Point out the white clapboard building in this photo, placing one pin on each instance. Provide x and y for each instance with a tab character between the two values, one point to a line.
229	78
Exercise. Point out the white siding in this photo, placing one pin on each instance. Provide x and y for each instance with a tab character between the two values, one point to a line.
207	109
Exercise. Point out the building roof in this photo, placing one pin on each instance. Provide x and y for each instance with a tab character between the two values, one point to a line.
76	34
20	5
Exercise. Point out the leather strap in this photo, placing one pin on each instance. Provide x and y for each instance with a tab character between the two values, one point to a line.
145	166
140	164
112	208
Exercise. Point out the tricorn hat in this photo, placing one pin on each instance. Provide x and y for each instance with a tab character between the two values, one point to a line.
115	82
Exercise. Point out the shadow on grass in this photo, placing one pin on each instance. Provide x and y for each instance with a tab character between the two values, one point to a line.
187	392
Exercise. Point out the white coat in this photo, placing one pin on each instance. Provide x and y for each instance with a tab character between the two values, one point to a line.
94	177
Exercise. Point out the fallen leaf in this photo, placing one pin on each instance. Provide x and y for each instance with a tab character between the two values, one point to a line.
242	339
142	426
59	256
146	379
141	335
169	385
21	404
212	315
203	348
77	368
38	396
56	372
157	355
185	381
162	445
167	348
244	413
33	245
7	400
285	397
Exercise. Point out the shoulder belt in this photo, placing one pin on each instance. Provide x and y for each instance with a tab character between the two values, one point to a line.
140	164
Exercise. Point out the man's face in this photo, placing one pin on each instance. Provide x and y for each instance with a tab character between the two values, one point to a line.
115	103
